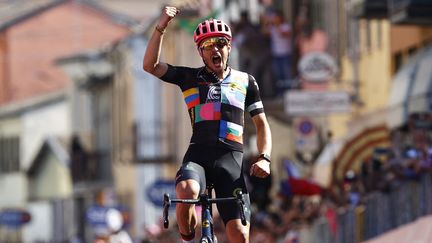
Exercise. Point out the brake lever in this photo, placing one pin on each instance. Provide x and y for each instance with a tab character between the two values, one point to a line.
166	205
241	204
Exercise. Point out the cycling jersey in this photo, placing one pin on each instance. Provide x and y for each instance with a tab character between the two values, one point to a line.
216	108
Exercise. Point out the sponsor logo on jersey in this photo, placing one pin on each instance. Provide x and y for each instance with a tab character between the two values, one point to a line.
214	94
237	86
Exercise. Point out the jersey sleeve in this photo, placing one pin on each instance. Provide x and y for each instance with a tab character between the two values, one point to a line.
174	75
253	103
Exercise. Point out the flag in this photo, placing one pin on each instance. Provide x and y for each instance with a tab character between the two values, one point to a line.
291	169
295	185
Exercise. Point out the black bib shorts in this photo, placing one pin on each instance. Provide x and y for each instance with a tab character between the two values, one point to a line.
218	166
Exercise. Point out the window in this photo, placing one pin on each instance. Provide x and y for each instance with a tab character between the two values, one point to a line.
9	154
398	61
368	35
380	34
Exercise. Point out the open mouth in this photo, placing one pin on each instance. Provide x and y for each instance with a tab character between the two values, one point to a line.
217	60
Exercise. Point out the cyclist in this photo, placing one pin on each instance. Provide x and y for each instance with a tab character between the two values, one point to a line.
216	97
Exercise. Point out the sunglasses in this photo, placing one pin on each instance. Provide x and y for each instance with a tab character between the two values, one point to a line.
219	42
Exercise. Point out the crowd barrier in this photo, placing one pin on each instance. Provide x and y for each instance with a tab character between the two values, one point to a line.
381	212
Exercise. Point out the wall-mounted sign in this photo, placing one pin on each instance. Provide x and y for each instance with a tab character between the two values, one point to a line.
156	191
317	67
306	136
14	218
316	102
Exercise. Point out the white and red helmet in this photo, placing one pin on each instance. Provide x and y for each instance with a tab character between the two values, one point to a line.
211	28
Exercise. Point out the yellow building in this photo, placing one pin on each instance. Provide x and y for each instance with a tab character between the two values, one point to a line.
372	47
375	49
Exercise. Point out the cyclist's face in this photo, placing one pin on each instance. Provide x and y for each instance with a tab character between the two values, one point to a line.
215	52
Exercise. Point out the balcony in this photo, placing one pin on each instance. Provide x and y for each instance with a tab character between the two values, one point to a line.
412	12
371	9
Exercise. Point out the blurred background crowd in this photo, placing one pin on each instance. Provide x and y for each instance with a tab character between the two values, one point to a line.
391	188
89	142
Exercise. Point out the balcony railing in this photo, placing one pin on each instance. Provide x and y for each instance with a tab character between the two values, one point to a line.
416	12
371	9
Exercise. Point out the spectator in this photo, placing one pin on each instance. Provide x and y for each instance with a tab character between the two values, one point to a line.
281	49
425	163
411	164
245	41
254	49
353	188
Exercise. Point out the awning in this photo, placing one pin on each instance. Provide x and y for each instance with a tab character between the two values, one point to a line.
412	89
322	170
360	148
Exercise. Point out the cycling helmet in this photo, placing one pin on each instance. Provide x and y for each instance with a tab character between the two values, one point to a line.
211	28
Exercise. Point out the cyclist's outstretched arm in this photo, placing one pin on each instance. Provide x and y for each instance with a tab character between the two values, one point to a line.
151	62
264	144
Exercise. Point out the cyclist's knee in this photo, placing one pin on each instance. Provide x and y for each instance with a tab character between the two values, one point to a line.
187	189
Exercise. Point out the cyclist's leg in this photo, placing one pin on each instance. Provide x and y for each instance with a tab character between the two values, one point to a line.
228	181
236	231
190	182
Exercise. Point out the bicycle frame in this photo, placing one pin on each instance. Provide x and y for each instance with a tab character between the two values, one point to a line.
205	200
207	232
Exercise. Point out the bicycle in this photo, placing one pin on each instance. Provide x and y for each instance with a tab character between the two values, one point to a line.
205	200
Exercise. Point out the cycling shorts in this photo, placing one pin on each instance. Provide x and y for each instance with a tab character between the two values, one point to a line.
220	167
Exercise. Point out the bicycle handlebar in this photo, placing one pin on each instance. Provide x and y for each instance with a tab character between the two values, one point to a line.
204	200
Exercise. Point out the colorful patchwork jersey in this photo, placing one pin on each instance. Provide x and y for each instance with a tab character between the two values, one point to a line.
216	108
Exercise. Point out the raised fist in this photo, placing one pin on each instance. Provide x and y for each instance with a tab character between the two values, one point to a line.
168	13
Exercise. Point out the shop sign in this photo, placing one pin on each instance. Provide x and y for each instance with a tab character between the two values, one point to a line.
316	102
317	67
